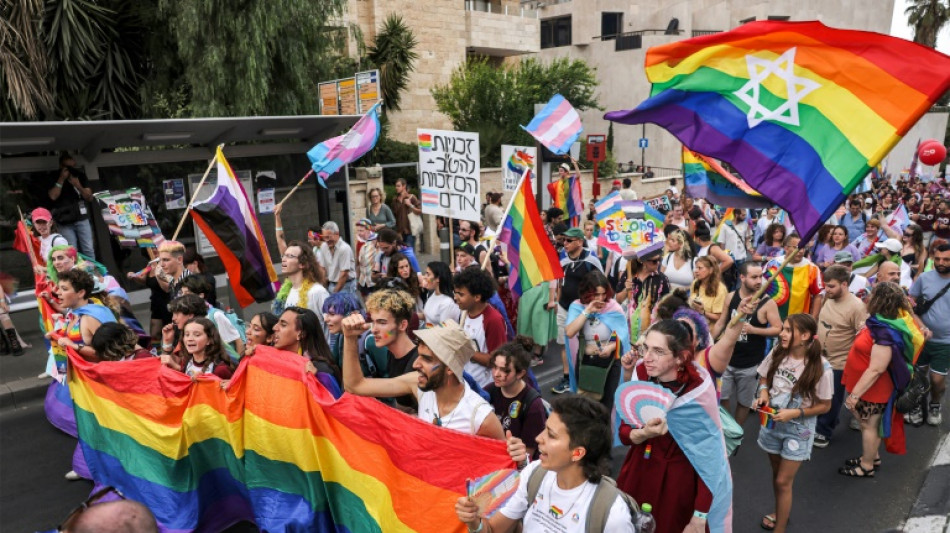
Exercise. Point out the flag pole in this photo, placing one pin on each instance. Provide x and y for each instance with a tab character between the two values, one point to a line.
29	246
765	285
511	202
297	186
194	195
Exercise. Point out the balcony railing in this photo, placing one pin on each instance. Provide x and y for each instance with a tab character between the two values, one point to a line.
487	7
699	33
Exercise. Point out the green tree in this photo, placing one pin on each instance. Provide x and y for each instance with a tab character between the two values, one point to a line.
243	58
927	17
495	101
23	61
393	53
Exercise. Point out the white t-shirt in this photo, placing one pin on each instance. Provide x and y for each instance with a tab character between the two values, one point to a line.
858	284
734	241
682	277
439	308
467	416
786	376
475	329
315	297
48	242
540	516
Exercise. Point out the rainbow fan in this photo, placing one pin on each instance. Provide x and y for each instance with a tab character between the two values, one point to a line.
491	491
640	401
778	290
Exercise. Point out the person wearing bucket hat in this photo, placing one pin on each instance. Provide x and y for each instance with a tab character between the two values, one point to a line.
444	397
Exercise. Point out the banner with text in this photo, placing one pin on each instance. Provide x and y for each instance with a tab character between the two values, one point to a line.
129	218
515	160
661	204
450	178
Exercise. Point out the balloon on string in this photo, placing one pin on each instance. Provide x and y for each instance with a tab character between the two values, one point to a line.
931	152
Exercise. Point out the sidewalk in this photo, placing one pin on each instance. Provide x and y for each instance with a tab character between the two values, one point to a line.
931	513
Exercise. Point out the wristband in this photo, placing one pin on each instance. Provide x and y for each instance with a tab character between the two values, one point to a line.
481	524
279	228
762	388
802	410
167	347
60	185
700	515
585	313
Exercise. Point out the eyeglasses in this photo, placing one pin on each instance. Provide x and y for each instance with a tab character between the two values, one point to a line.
90	501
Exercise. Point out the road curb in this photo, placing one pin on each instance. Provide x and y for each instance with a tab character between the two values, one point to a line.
21	392
931	511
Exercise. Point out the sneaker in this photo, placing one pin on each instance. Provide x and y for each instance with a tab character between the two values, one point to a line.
933	415
44	375
72	476
821	441
855	424
537	360
916	417
562	386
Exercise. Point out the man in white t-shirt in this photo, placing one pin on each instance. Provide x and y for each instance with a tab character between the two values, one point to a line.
335	255
444	397
735	236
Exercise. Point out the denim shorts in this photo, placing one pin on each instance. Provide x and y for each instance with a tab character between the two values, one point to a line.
792	440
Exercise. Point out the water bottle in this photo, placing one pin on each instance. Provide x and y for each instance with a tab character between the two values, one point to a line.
645	521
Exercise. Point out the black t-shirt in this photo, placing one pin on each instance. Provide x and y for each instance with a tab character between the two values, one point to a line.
574	271
750	349
400	366
525	421
69	194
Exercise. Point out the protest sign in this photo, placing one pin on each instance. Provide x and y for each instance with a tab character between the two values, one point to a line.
661	203
265	200
514	161
449	179
129	218
174	193
628	228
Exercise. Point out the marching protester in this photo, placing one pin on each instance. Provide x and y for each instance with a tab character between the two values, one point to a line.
401	269
171	268
443	396
336	257
517	404
195	264
708	293
230	336
931	293
678	263
483	323
389	242
390	312
366	252
260	331
203	349
802	279
83	317
440	304
795	385
564	482
304	285
378	213
772	243
838	243
404	205
866	241
298	331
336	307
45	228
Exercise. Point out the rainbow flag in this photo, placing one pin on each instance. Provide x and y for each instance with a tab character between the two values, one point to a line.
228	221
330	155
794	287
520	161
566	195
532	258
274	448
766	417
728	216
705	178
801	110
557	126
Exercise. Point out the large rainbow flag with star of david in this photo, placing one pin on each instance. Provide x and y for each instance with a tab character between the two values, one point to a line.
801	110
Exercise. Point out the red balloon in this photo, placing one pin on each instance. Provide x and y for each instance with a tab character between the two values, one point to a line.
931	152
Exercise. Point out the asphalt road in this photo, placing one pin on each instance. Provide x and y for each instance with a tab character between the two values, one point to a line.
35	497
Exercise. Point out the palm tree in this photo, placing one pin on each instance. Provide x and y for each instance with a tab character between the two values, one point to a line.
23	62
927	17
393	53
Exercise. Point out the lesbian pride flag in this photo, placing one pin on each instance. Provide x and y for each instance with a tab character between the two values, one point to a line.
227	219
801	110
557	126
330	155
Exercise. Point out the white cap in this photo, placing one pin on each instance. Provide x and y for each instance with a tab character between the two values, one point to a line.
892	245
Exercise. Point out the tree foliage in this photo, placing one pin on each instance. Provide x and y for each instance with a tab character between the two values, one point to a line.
393	53
495	100
927	17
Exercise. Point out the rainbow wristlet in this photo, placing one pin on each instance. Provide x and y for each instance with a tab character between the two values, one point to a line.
648	451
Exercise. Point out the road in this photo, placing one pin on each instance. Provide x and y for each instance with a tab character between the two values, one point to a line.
34	496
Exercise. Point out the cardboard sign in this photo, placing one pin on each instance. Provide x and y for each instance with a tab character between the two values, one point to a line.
450	174
129	218
515	160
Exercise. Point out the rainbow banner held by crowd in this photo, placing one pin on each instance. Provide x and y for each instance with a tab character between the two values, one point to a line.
801	110
274	448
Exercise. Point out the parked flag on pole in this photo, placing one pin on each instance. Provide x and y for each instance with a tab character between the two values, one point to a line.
557	126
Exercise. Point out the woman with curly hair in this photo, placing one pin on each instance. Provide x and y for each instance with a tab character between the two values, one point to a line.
305	284
204	350
772	241
708	293
678	463
795	385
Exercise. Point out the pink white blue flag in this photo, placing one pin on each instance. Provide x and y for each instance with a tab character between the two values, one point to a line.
557	126
899	219
330	155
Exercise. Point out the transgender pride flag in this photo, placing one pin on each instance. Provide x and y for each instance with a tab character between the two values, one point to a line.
557	126
330	155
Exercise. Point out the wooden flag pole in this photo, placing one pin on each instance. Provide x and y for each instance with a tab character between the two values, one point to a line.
765	285
452	244
29	245
194	195
297	186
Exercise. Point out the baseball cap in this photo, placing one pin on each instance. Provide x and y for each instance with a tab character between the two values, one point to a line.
892	245
450	345
868	201
844	256
365	222
617	183
41	213
574	233
466	248
566	167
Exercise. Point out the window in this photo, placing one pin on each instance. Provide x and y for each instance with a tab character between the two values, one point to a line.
556	32
778	17
611	25
750	19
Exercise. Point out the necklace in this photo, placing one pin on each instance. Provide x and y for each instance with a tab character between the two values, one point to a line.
437	419
556	512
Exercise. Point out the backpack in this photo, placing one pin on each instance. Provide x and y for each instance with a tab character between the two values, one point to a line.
238	324
603	499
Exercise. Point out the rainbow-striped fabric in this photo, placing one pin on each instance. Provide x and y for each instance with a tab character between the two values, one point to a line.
801	110
566	195
794	286
705	178
274	448
533	259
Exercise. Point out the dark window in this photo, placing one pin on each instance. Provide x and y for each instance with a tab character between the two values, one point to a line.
778	17
750	19
556	32
611	24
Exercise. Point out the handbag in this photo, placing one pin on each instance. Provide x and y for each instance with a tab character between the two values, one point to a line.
914	393
924	304
415	223
592	372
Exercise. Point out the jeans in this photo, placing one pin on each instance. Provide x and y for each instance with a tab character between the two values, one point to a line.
79	235
409	240
828	421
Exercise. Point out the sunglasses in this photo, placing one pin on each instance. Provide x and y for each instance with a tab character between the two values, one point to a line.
90	501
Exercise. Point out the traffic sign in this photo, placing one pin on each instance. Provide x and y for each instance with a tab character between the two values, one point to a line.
643	142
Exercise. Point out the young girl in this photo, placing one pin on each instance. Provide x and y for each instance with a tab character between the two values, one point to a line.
797	383
204	349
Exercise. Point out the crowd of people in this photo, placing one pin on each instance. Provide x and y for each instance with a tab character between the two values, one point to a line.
453	346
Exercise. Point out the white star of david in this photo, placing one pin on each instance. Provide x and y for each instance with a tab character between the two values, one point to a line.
795	86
